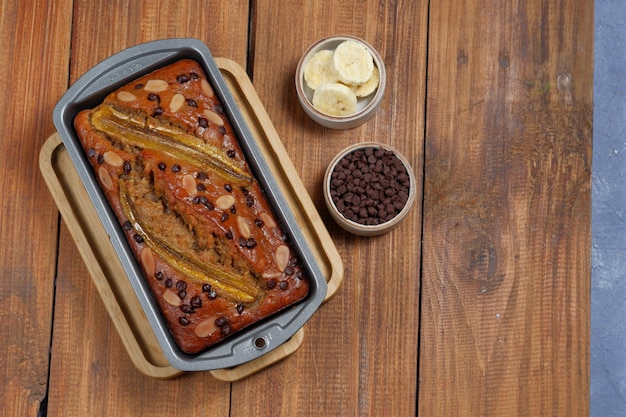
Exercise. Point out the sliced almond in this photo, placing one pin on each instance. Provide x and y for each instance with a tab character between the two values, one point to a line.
126	96
177	102
244	227
267	220
282	257
189	184
105	178
147	260
172	298
205	327
225	202
156	86
270	275
113	159
214	117
206	87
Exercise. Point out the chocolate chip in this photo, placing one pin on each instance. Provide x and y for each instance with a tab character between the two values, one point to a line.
230	153
182	78
229	235
259	222
100	159
196	302
200	187
283	285
127	225
186	308
158	111
176	168
194	76
224	217
168	283
222	130
182	294
127	167
239	308
228	187
203	122
212	295
138	86
206	287
154	97
250	201
138	238
161	166
221	321
183	321
226	330
159	275
191	102
251	243
201	176
91	152
181	285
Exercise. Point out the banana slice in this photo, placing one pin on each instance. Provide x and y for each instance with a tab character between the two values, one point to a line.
334	99
353	62
369	86
319	69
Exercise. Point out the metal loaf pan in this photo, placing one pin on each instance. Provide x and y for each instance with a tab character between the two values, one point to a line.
89	91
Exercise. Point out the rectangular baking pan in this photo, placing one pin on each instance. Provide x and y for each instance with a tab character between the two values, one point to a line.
88	92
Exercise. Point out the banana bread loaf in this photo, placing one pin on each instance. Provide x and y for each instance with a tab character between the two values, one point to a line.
210	247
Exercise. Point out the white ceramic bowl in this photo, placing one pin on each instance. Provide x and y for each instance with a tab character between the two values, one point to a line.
356	227
366	106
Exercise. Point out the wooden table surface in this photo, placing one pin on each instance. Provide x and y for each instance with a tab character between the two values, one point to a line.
478	305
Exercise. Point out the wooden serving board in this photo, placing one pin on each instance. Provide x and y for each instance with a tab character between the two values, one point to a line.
108	274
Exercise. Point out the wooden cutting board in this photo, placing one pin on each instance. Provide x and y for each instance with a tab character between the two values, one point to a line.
108	274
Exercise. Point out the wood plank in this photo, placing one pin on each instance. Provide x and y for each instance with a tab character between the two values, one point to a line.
91	373
359	356
505	306
33	72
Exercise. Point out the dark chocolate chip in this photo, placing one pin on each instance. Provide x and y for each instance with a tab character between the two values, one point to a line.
127	167
181	285
271	284
158	111
221	321
138	238
127	225
183	321
196	302
191	102
154	97
91	152
203	122
239	308
228	187
176	168
161	166
182	78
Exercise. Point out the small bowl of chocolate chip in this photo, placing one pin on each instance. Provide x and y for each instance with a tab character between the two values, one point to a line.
369	188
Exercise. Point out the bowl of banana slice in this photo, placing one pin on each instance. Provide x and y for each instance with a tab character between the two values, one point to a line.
340	81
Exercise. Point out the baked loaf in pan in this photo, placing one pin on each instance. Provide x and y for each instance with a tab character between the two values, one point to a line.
210	247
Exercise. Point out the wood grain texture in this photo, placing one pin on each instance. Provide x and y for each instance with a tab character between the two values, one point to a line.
505	310
101	379
359	356
29	220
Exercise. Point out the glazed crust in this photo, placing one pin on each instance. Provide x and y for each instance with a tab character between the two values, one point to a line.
210	247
